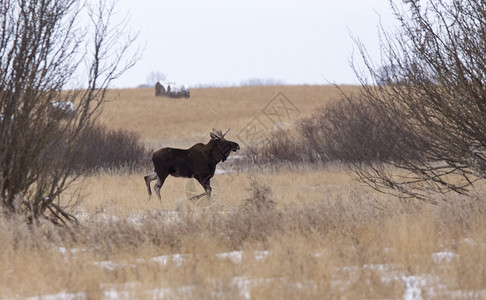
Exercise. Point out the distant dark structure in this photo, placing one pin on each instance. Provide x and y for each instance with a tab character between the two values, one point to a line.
197	162
171	90
159	89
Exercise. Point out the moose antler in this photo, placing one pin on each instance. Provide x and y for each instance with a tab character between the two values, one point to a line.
219	134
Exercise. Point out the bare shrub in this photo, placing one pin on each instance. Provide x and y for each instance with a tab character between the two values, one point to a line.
101	148
350	130
417	126
347	130
153	77
41	56
281	147
435	93
256	218
260	198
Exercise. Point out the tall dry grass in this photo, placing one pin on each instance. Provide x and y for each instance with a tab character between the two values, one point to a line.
352	243
162	121
294	233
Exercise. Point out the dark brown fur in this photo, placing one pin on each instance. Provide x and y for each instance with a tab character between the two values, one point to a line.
197	162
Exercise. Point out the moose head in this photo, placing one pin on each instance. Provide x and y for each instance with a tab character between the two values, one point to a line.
222	147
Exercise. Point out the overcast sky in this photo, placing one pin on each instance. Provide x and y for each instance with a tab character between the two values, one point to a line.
226	41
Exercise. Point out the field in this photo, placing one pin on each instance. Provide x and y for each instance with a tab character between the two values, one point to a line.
284	232
183	122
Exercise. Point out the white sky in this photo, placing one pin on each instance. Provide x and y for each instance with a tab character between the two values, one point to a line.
227	41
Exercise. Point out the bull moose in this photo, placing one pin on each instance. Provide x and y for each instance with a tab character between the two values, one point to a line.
197	162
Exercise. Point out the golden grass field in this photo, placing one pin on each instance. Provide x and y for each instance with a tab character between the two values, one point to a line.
183	122
272	233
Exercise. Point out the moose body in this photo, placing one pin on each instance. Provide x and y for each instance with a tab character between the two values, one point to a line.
197	162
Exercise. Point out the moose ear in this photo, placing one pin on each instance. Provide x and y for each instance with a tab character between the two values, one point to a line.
213	136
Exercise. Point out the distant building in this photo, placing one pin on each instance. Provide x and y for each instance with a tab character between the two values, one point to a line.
170	89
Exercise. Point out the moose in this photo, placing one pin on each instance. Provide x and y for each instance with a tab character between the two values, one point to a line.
197	162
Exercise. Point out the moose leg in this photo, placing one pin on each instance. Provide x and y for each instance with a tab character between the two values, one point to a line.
205	182
158	184
148	179
207	188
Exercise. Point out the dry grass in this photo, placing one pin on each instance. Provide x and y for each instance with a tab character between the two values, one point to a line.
164	121
121	194
297	233
344	242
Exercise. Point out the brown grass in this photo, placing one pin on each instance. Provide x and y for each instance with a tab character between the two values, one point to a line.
164	121
296	233
346	242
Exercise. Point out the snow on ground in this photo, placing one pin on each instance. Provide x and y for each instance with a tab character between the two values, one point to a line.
259	255
234	256
237	256
222	172
416	286
134	218
445	256
65	251
413	287
178	259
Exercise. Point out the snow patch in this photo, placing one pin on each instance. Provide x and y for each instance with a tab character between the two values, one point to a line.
64	250
260	255
108	265
178	259
235	256
445	256
413	286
